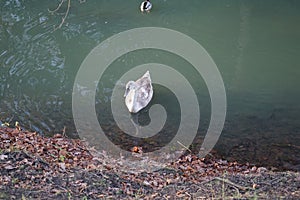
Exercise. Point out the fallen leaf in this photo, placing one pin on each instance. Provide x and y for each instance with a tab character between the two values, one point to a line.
2	157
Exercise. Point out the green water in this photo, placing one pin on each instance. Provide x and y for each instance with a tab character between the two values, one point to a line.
255	44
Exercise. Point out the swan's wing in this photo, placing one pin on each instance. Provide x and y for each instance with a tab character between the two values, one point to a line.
138	94
144	80
144	92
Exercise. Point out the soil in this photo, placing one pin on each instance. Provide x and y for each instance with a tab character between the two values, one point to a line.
37	167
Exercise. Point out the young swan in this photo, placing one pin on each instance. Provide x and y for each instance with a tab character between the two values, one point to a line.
139	93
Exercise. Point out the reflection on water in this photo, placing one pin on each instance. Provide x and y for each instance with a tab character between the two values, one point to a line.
255	44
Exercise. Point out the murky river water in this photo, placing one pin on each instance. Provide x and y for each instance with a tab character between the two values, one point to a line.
255	44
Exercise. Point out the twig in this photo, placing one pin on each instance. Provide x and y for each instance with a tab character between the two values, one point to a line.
9	121
103	176
287	145
66	13
184	146
57	185
35	158
56	9
190	196
270	183
64	132
228	182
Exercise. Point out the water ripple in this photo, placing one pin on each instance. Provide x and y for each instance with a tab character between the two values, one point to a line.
31	60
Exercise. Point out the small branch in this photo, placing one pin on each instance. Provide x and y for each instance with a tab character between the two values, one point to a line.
287	145
64	131
228	182
65	15
184	146
56	9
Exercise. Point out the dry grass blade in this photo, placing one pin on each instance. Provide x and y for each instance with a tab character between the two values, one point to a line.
184	146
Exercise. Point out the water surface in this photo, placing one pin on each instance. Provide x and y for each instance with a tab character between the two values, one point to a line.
255	45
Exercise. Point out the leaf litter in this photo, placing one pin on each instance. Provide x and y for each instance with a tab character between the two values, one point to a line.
34	166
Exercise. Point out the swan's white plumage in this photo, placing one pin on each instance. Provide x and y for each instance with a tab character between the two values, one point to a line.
138	93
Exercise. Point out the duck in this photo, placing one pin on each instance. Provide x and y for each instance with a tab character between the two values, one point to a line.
138	93
146	6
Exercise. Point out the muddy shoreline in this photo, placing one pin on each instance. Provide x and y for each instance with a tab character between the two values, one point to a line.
37	167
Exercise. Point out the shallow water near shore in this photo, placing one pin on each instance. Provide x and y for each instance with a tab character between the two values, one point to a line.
255	45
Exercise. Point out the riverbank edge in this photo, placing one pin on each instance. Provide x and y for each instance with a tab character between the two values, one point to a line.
33	166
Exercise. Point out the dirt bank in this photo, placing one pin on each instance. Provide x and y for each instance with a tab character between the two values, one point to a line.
33	166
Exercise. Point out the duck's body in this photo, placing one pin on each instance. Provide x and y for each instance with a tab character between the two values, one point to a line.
146	6
139	93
